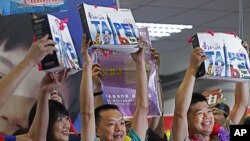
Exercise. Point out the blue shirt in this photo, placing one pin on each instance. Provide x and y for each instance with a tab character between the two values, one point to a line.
7	138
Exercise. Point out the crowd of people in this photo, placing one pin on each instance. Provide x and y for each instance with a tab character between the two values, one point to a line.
49	117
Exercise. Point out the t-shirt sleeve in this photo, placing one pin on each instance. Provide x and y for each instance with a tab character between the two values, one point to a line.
151	136
133	136
7	138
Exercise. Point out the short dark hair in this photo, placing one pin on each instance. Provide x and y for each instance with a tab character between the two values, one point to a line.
16	30
102	108
224	107
56	109
197	97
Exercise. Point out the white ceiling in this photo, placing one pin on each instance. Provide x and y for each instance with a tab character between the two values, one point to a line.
218	15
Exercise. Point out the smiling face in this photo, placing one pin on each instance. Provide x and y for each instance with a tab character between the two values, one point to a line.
111	126
60	129
200	119
14	44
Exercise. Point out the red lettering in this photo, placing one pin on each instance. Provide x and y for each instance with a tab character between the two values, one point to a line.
123	40
234	72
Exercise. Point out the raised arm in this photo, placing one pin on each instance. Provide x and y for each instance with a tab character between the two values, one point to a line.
37	52
241	97
241	102
246	46
157	123
39	127
97	85
86	96
184	95
139	121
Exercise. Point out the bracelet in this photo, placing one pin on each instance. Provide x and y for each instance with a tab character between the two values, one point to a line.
98	93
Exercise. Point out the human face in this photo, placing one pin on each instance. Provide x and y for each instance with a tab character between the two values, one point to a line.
200	119
14	114
60	129
219	117
111	126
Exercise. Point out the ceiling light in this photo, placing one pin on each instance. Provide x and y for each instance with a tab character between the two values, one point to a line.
157	31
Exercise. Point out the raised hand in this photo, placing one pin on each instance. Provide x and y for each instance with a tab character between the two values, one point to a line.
35	54
40	49
156	56
246	46
139	56
197	57
59	77
52	81
96	73
87	56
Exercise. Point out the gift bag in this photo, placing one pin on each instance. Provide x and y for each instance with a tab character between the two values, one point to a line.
227	58
66	56
109	28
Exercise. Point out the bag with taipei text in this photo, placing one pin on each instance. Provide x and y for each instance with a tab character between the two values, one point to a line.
66	56
227	59
109	28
